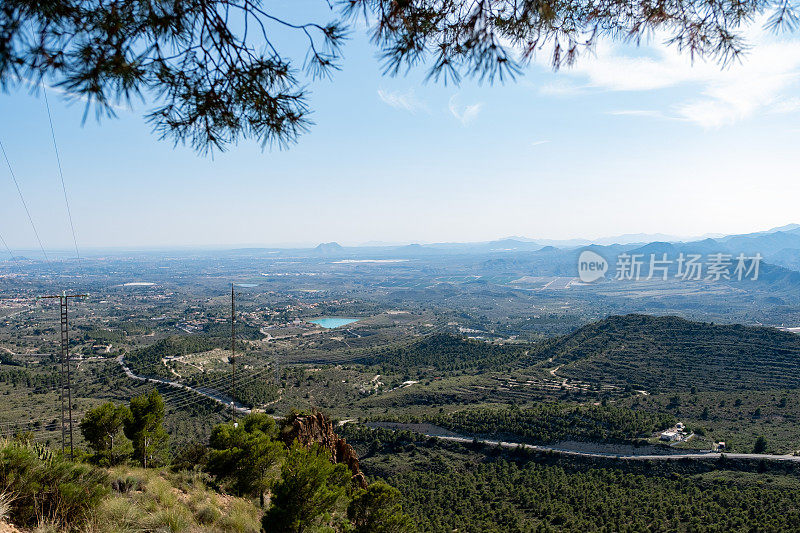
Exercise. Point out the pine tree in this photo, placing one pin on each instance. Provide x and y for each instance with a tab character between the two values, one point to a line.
246	454
377	509
214	70
102	429
312	492
145	429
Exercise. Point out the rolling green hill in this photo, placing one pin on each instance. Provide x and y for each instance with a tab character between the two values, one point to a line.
148	360
663	354
552	422
445	352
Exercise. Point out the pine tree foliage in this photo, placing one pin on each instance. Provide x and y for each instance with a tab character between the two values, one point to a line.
216	71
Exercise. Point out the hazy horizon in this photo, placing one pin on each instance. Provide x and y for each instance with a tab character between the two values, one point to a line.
578	240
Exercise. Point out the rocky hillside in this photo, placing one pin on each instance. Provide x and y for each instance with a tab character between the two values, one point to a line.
317	428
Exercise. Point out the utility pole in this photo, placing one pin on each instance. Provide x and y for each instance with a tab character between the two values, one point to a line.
233	352
66	373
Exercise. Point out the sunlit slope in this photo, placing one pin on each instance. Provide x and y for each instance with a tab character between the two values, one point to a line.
660	354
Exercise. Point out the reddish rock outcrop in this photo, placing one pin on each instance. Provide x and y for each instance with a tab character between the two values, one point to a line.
317	428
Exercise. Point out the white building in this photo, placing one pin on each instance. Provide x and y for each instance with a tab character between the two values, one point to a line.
670	436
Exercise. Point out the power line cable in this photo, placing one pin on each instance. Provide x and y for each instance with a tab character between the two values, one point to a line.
13	257
184	391
197	390
22	198
180	400
60	172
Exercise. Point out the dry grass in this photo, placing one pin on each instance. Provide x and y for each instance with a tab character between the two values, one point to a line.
152	500
5	505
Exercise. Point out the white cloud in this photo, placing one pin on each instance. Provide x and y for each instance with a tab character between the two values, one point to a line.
539	143
404	101
464	114
760	82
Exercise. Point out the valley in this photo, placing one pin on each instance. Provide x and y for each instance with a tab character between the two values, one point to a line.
424	367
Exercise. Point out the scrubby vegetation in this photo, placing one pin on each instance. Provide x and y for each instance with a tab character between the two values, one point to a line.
251	392
737	418
583	386
660	354
249	478
38	382
507	496
148	361
551	422
162	500
444	352
39	486
474	488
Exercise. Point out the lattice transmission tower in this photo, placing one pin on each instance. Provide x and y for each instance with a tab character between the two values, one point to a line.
66	374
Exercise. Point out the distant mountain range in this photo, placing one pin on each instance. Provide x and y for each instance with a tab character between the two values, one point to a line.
520	261
779	246
644	238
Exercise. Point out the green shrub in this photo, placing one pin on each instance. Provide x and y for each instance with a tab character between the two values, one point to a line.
241	517
126	484
208	514
193	456
48	488
173	519
119	515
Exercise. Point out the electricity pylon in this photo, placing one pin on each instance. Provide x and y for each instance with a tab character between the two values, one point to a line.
233	352
66	373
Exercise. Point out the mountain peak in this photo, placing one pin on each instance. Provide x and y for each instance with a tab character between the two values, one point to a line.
329	248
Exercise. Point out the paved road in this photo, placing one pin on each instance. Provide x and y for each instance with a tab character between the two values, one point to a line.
208	393
671	457
9	352
223	400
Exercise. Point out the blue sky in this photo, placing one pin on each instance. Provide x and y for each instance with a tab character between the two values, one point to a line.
630	140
